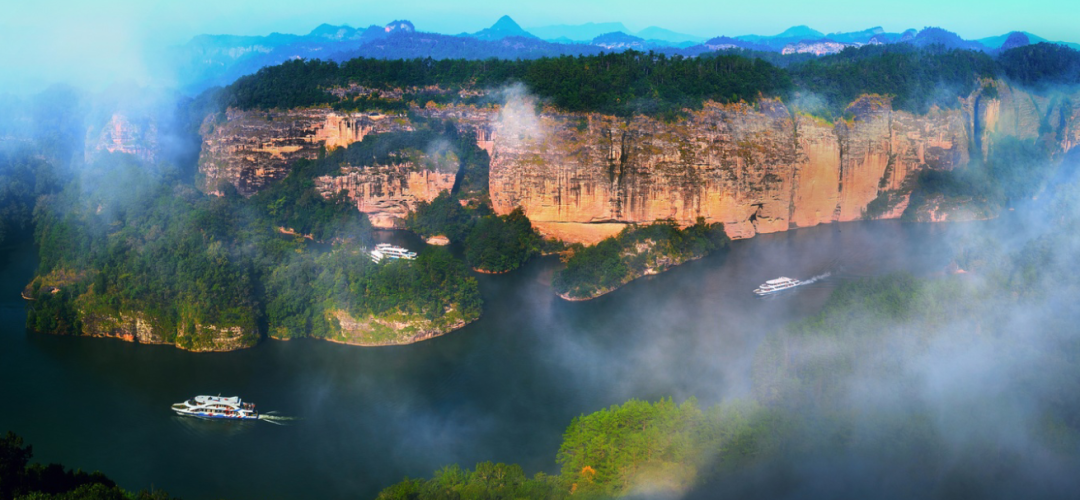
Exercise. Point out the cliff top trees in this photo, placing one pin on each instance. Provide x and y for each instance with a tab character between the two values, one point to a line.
623	83
916	78
1042	65
632	82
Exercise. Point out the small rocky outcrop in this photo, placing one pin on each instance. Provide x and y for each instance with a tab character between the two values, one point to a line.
143	328
392	329
121	134
214	338
132	327
387	193
817	47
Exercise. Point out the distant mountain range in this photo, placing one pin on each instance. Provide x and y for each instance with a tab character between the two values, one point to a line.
586	33
503	28
995	42
209	60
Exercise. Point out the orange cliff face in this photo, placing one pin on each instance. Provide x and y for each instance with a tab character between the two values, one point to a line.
1054	116
250	149
387	193
582	177
757	169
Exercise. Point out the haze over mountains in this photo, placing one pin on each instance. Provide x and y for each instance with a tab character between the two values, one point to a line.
209	60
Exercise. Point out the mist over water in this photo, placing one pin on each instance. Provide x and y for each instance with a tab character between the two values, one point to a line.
502	389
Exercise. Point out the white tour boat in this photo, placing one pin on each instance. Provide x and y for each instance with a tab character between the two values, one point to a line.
777	285
217	407
388	251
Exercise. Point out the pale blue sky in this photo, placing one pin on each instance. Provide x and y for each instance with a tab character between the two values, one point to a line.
94	40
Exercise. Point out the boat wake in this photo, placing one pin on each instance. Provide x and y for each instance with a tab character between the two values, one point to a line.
276	419
815	278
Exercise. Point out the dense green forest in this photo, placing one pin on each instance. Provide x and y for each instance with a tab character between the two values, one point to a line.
22	480
1041	65
128	241
493	243
621	83
615	261
23	177
915	78
654	84
127	238
436	286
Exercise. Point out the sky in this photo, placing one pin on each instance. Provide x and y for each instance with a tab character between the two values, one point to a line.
48	40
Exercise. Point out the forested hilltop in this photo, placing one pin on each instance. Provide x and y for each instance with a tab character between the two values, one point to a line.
647	83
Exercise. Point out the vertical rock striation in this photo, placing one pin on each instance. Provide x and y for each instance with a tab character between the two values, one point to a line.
582	177
387	193
250	149
757	169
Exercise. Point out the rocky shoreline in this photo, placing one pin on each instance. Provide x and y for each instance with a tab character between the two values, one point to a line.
426	335
485	271
130	328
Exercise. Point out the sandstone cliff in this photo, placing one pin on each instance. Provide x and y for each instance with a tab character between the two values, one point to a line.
393	329
133	327
583	177
249	149
757	169
143	329
1025	115
387	193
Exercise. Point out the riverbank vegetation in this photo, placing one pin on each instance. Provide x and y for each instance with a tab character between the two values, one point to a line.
22	480
635	252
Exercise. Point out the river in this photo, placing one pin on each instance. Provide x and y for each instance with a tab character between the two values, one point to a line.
501	389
